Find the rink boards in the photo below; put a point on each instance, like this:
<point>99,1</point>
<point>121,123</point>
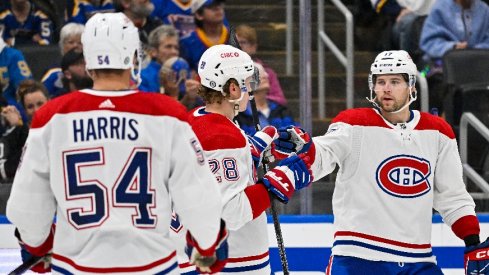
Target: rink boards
<point>308,240</point>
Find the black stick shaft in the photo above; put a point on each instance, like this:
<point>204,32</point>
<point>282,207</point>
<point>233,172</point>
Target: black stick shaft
<point>25,266</point>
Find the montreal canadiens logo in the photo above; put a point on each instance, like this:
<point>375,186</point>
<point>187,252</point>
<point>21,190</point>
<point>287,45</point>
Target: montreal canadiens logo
<point>404,176</point>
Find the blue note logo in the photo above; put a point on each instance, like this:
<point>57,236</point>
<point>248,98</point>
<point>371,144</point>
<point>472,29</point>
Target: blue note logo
<point>404,176</point>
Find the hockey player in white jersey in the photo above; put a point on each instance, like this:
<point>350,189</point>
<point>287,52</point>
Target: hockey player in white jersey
<point>109,164</point>
<point>223,72</point>
<point>395,166</point>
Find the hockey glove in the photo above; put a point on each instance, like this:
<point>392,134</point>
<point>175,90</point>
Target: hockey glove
<point>213,259</point>
<point>292,173</point>
<point>262,145</point>
<point>44,251</point>
<point>292,139</point>
<point>477,259</point>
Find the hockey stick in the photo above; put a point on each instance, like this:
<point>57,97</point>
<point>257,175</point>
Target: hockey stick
<point>25,266</point>
<point>273,208</point>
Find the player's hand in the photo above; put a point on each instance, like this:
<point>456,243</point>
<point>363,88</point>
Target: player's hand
<point>477,259</point>
<point>292,139</point>
<point>292,173</point>
<point>261,145</point>
<point>213,259</point>
<point>44,251</point>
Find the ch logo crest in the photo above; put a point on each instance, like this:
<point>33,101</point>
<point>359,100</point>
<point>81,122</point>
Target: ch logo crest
<point>404,176</point>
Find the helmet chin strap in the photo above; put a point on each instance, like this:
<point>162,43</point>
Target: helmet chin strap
<point>412,97</point>
<point>236,103</point>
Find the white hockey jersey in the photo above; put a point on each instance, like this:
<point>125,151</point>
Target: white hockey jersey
<point>390,178</point>
<point>227,150</point>
<point>105,163</point>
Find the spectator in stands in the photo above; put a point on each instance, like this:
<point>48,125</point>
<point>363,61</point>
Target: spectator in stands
<point>11,141</point>
<point>13,69</point>
<point>79,11</point>
<point>139,11</point>
<point>451,24</point>
<point>210,30</point>
<point>69,38</point>
<point>162,45</point>
<point>455,24</point>
<point>269,111</point>
<point>32,95</point>
<point>403,31</point>
<point>175,82</point>
<point>177,13</point>
<point>75,76</point>
<point>248,41</point>
<point>23,24</point>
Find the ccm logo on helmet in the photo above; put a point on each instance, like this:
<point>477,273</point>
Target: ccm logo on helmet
<point>404,176</point>
<point>227,55</point>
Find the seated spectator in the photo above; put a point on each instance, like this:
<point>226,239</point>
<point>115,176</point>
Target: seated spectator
<point>79,11</point>
<point>177,13</point>
<point>248,41</point>
<point>69,38</point>
<point>269,112</point>
<point>75,76</point>
<point>13,69</point>
<point>22,24</point>
<point>451,24</point>
<point>32,95</point>
<point>163,44</point>
<point>455,24</point>
<point>402,31</point>
<point>139,11</point>
<point>175,82</point>
<point>210,30</point>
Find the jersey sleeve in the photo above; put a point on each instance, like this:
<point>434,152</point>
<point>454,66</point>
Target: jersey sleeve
<point>193,188</point>
<point>332,148</point>
<point>451,198</point>
<point>31,205</point>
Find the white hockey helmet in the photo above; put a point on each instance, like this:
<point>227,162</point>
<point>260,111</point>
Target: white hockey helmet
<point>220,63</point>
<point>393,62</point>
<point>110,41</point>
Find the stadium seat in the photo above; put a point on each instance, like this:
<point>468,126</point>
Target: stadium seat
<point>462,69</point>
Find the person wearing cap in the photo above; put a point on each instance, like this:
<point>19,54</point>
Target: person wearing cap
<point>75,76</point>
<point>269,111</point>
<point>210,30</point>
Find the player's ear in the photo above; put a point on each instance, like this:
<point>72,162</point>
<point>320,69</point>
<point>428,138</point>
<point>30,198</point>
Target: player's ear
<point>234,90</point>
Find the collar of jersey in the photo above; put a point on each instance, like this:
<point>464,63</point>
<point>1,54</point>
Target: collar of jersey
<point>108,93</point>
<point>413,120</point>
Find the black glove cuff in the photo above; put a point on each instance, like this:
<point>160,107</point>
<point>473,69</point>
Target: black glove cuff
<point>472,240</point>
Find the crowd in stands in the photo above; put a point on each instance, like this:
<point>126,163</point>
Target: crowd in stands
<point>173,33</point>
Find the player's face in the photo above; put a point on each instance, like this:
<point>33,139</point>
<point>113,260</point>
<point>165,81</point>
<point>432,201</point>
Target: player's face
<point>72,42</point>
<point>392,92</point>
<point>168,48</point>
<point>33,101</point>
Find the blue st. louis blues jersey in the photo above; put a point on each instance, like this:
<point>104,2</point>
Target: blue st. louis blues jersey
<point>22,32</point>
<point>175,13</point>
<point>82,10</point>
<point>13,69</point>
<point>52,79</point>
<point>390,178</point>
